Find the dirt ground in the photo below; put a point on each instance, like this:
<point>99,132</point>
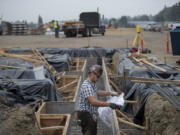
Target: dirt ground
<point>164,118</point>
<point>122,38</point>
<point>16,121</point>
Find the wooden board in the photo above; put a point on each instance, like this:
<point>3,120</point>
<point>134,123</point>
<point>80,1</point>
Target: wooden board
<point>131,124</point>
<point>52,131</point>
<point>153,81</point>
<point>20,57</point>
<point>51,120</point>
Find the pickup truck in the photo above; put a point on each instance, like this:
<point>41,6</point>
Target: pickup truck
<point>173,26</point>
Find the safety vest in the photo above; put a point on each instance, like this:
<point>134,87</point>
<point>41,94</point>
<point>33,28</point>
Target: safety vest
<point>55,25</point>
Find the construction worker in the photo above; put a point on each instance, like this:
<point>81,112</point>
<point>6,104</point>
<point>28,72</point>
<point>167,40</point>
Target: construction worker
<point>56,28</point>
<point>88,102</point>
<point>103,29</point>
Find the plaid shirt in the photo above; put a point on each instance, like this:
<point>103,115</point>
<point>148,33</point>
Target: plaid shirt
<point>87,89</point>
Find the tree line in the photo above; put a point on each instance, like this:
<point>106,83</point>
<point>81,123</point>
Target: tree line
<point>168,14</point>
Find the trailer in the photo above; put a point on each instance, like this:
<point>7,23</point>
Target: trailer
<point>89,22</point>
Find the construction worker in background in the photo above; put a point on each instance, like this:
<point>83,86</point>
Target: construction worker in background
<point>103,29</point>
<point>88,102</point>
<point>56,28</point>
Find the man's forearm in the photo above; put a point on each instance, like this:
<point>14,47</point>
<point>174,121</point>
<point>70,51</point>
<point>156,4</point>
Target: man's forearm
<point>103,93</point>
<point>97,103</point>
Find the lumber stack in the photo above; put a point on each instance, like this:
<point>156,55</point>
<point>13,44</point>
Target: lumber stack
<point>19,29</point>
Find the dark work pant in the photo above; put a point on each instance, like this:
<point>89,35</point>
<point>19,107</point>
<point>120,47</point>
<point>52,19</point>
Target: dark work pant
<point>56,33</point>
<point>88,125</point>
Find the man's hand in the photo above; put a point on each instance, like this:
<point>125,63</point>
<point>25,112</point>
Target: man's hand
<point>114,106</point>
<point>114,93</point>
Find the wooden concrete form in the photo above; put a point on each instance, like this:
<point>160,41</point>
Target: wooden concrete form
<point>69,87</point>
<point>115,124</point>
<point>78,68</point>
<point>117,119</point>
<point>121,78</point>
<point>78,65</point>
<point>53,121</point>
<point>112,75</point>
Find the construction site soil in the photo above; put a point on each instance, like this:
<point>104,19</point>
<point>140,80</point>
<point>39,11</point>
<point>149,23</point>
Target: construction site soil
<point>164,119</point>
<point>16,120</point>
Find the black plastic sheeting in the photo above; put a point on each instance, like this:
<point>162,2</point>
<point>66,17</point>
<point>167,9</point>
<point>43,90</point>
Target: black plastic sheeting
<point>15,62</point>
<point>59,62</point>
<point>134,90</point>
<point>20,87</point>
<point>20,50</point>
<point>144,90</point>
<point>22,74</point>
<point>73,52</point>
<point>81,52</point>
<point>16,73</point>
<point>28,92</point>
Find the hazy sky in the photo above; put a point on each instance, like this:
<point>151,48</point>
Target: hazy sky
<point>29,10</point>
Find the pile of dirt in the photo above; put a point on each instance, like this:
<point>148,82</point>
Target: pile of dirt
<point>17,121</point>
<point>164,117</point>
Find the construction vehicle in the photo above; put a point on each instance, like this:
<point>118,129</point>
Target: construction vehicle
<point>89,22</point>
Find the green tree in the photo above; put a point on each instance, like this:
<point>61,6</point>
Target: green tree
<point>123,21</point>
<point>169,13</point>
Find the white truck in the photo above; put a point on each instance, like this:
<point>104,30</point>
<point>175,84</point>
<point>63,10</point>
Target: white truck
<point>172,26</point>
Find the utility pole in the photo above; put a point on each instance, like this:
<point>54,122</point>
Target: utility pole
<point>98,9</point>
